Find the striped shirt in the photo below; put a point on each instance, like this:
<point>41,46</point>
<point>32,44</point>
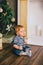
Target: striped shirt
<point>19,41</point>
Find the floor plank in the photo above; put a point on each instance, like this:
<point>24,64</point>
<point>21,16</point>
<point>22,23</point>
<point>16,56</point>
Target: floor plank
<point>7,57</point>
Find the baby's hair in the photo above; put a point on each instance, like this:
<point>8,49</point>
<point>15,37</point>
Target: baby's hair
<point>18,27</point>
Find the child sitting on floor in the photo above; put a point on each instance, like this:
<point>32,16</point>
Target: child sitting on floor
<point>19,42</point>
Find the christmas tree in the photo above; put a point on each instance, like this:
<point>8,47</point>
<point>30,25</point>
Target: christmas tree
<point>7,18</point>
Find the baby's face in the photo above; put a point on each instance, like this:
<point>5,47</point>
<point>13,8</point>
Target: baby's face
<point>22,32</point>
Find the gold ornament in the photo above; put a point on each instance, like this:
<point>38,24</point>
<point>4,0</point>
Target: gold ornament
<point>7,3</point>
<point>13,19</point>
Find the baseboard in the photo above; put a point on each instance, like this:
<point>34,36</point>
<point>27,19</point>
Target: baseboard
<point>35,41</point>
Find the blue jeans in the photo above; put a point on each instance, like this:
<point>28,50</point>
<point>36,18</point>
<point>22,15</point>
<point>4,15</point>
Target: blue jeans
<point>19,52</point>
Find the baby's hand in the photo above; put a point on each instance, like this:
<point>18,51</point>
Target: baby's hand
<point>25,42</point>
<point>20,47</point>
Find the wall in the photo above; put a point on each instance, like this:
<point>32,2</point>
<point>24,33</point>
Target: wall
<point>35,22</point>
<point>13,5</point>
<point>35,17</point>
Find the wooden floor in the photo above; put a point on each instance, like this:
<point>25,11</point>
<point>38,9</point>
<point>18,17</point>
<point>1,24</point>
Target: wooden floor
<point>8,58</point>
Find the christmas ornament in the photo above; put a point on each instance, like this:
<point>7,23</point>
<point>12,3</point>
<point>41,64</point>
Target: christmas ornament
<point>9,27</point>
<point>7,3</point>
<point>1,10</point>
<point>13,19</point>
